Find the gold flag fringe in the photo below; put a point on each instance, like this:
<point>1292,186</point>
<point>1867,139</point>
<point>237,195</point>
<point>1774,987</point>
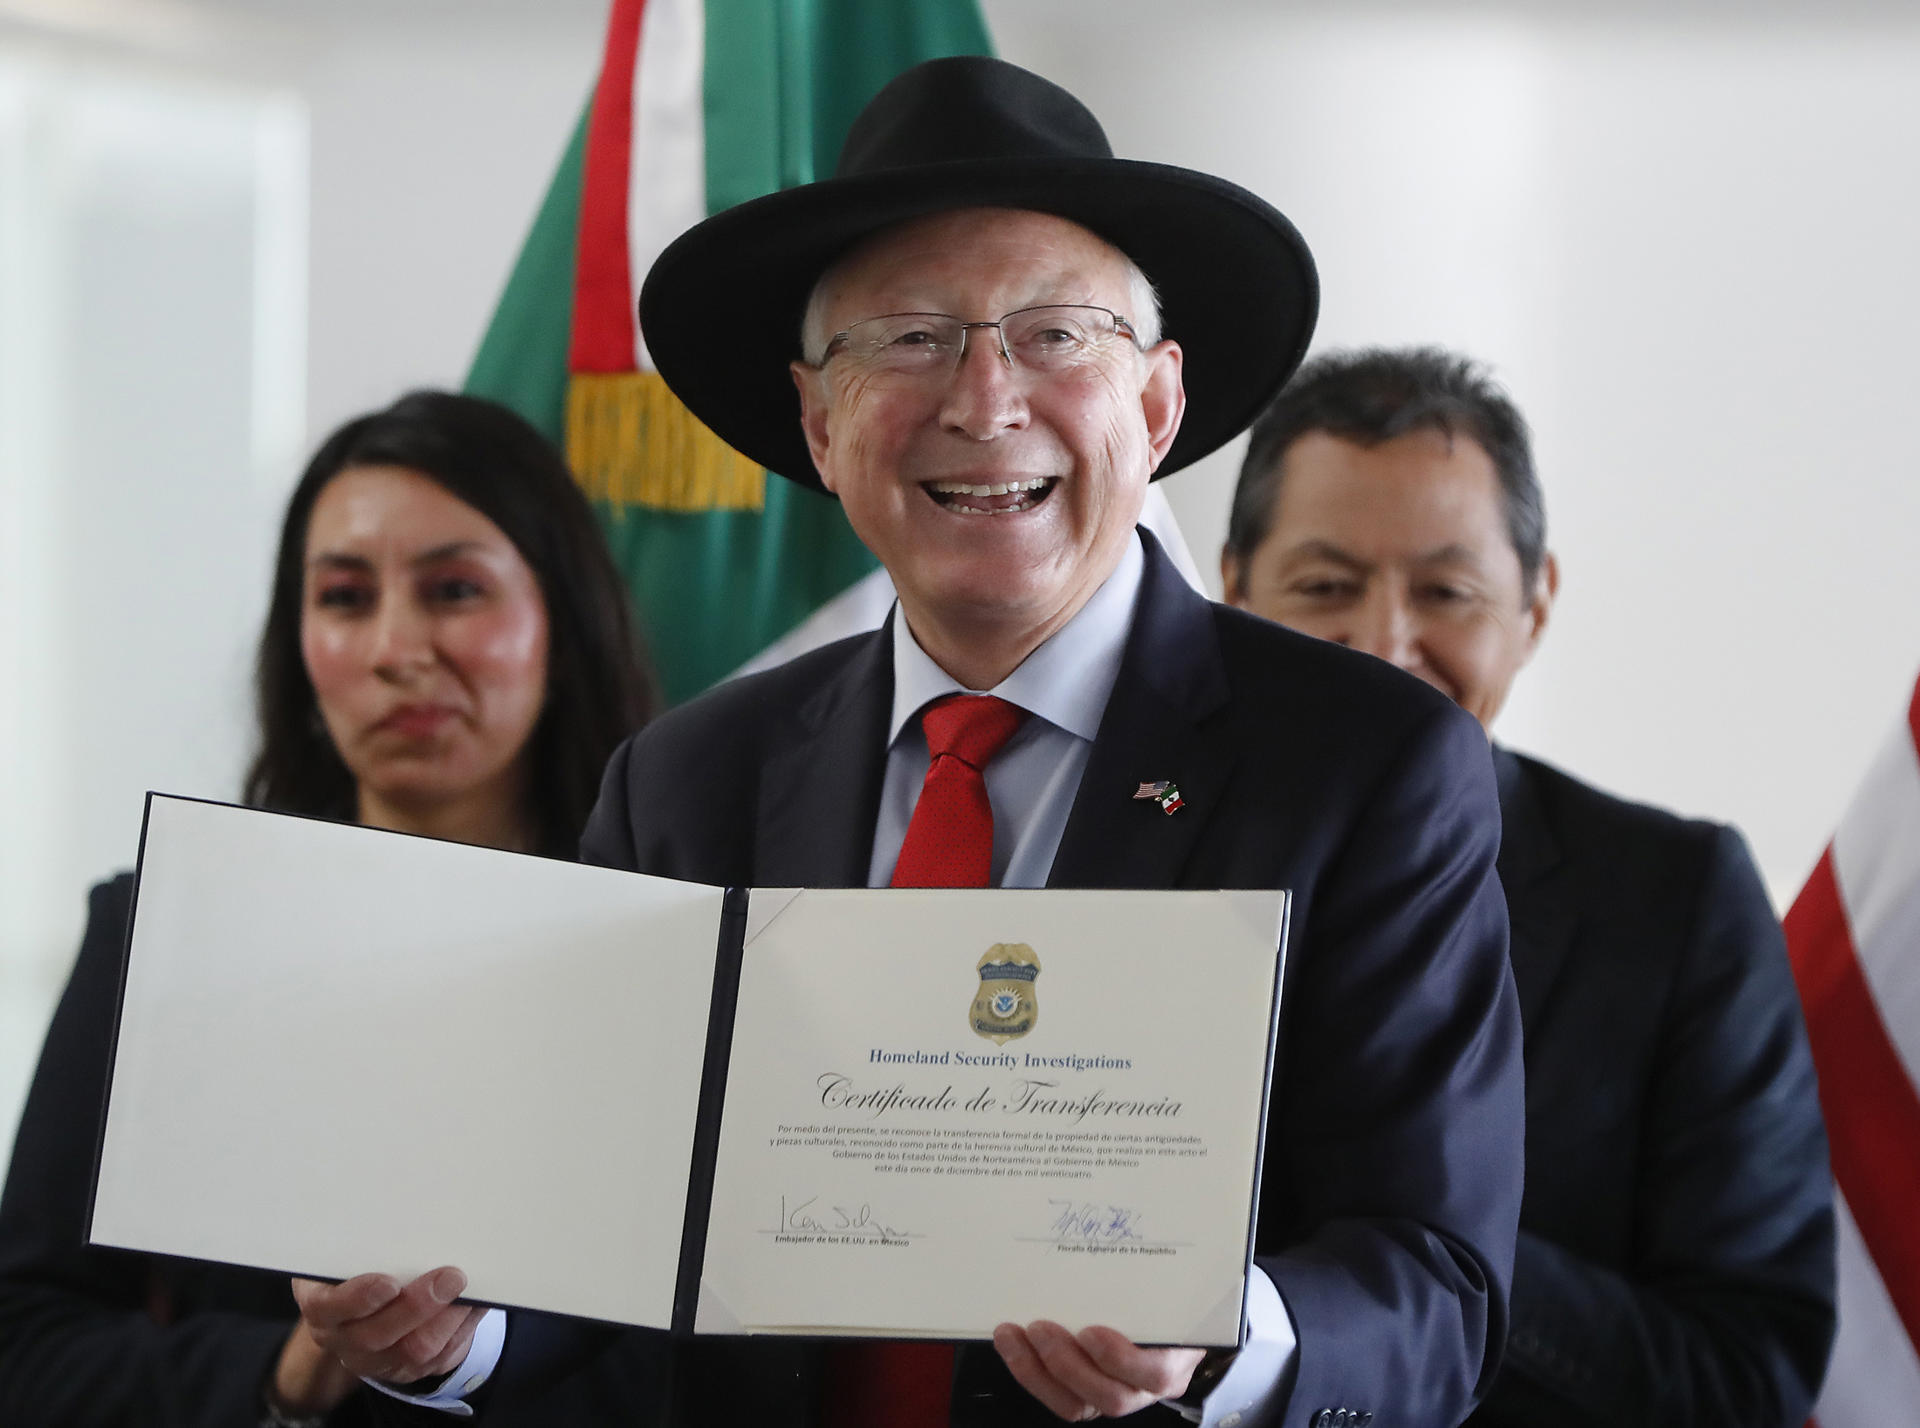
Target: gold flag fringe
<point>631,443</point>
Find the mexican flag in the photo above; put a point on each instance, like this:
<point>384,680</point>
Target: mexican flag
<point>700,104</point>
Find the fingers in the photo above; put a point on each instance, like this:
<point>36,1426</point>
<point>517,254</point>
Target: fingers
<point>1022,1357</point>
<point>326,1306</point>
<point>1098,1373</point>
<point>308,1382</point>
<point>459,1340</point>
<point>1159,1373</point>
<point>382,1329</point>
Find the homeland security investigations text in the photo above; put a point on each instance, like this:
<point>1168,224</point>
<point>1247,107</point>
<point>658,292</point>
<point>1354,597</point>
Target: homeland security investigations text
<point>1005,1060</point>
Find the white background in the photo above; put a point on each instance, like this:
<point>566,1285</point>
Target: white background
<point>1684,235</point>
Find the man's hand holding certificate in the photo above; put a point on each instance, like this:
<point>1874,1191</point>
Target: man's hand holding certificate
<point>890,1113</point>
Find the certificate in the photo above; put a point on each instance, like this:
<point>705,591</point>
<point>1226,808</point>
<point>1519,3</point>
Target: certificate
<point>948,1109</point>
<point>882,1112</point>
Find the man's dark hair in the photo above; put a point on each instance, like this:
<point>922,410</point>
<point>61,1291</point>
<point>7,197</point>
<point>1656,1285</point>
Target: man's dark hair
<point>599,685</point>
<point>1372,396</point>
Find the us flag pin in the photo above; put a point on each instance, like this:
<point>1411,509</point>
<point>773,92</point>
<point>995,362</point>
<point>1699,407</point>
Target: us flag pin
<point>1164,793</point>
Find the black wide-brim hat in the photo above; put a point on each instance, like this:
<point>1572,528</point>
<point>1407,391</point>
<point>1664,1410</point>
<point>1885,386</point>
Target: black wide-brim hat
<point>721,308</point>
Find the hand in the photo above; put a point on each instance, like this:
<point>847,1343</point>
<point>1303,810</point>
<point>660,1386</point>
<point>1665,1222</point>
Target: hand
<point>380,1329</point>
<point>1097,1373</point>
<point>308,1381</point>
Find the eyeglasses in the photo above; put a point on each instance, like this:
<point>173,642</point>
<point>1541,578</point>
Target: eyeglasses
<point>1054,338</point>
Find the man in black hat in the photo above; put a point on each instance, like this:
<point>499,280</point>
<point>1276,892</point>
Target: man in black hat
<point>957,336</point>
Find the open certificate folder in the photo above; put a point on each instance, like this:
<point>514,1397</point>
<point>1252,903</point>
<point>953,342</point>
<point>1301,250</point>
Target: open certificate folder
<point>881,1112</point>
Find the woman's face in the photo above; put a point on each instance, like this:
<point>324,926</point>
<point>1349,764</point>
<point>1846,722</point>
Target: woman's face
<point>425,636</point>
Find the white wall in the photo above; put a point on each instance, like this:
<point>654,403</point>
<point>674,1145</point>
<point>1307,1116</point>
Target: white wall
<point>140,281</point>
<point>433,140</point>
<point>1688,248</point>
<point>223,230</point>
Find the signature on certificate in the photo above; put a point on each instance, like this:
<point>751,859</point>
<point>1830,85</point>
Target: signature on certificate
<point>809,1219</point>
<point>1088,1222</point>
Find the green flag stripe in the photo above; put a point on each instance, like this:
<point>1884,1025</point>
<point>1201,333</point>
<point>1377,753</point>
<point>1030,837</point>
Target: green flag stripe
<point>741,97</point>
<point>785,79</point>
<point>799,23</point>
<point>859,45</point>
<point>726,584</point>
<point>522,361</point>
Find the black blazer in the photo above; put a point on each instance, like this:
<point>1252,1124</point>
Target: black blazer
<point>1391,1188</point>
<point>1676,1247</point>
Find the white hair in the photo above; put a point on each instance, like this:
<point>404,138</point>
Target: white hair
<point>1145,298</point>
<point>1141,296</point>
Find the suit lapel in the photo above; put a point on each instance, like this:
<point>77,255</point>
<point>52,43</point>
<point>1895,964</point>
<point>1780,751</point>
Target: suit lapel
<point>1531,865</point>
<point>1156,726</point>
<point>820,792</point>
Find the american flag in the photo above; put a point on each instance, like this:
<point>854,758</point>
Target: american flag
<point>1854,937</point>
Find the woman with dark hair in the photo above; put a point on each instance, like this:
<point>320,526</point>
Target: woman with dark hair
<point>482,455</point>
<point>447,651</point>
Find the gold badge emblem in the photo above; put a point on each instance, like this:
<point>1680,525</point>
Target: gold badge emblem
<point>1004,1007</point>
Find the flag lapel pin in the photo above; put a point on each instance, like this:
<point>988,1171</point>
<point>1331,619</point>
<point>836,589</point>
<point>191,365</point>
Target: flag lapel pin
<point>1162,792</point>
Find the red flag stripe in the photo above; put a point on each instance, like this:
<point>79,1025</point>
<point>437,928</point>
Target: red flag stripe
<point>1872,1109</point>
<point>602,280</point>
<point>1876,863</point>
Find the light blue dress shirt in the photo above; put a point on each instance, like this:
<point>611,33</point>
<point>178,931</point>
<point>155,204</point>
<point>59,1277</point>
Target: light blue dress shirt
<point>1031,782</point>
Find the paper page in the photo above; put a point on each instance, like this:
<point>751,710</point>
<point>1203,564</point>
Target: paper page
<point>946,1109</point>
<point>344,1050</point>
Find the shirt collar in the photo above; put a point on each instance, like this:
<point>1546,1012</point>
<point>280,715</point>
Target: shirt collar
<point>1066,681</point>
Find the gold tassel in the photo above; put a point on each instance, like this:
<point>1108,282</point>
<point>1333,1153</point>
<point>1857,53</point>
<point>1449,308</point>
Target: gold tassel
<point>631,442</point>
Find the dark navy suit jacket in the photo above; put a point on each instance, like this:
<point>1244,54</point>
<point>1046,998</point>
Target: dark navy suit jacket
<point>1392,1182</point>
<point>1676,1243</point>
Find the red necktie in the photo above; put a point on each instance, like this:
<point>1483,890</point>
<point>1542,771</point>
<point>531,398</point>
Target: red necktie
<point>949,844</point>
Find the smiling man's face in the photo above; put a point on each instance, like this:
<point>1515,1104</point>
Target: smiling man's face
<point>998,498</point>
